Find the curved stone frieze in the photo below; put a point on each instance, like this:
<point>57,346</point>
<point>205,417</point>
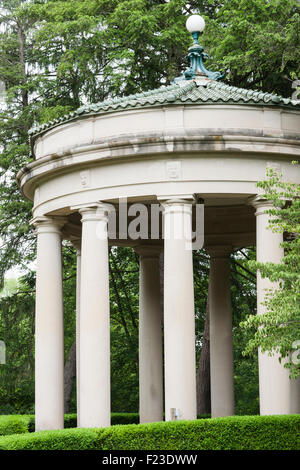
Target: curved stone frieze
<point>217,152</point>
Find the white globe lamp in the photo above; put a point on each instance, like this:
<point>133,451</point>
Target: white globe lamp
<point>195,23</point>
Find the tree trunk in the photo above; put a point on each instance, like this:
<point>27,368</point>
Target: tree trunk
<point>69,376</point>
<point>203,373</point>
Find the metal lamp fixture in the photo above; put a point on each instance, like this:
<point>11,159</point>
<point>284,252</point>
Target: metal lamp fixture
<point>196,57</point>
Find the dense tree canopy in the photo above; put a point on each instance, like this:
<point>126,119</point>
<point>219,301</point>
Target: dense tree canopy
<point>256,42</point>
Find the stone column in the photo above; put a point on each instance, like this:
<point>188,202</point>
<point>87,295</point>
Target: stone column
<point>77,245</point>
<point>221,346</point>
<point>179,315</point>
<point>274,382</point>
<point>49,327</point>
<point>295,396</point>
<point>78,285</point>
<point>150,336</point>
<point>94,324</point>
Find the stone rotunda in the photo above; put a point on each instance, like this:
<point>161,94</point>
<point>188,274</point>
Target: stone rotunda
<point>197,139</point>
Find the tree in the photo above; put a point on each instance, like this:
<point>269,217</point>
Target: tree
<point>124,273</point>
<point>256,43</point>
<point>15,121</point>
<point>17,331</point>
<point>203,371</point>
<point>278,330</point>
<point>243,296</point>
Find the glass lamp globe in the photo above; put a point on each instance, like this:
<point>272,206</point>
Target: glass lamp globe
<point>195,23</point>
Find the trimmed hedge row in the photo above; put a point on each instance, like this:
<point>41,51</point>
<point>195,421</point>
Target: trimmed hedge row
<point>20,424</point>
<point>16,424</point>
<point>230,433</point>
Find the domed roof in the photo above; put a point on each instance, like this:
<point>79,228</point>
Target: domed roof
<point>196,85</point>
<point>183,92</point>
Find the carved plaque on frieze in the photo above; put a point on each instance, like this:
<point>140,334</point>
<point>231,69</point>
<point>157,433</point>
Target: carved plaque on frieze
<point>173,169</point>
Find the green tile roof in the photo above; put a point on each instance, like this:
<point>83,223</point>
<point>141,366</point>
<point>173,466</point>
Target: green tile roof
<point>189,92</point>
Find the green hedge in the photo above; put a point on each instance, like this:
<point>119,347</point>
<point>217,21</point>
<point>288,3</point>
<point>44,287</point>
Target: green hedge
<point>16,424</point>
<point>231,433</point>
<point>19,424</point>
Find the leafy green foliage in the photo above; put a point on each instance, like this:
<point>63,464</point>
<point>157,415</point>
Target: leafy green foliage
<point>21,424</point>
<point>67,439</point>
<point>279,327</point>
<point>17,331</point>
<point>231,433</point>
<point>14,424</point>
<point>124,275</point>
<point>243,295</point>
<point>201,274</point>
<point>256,43</point>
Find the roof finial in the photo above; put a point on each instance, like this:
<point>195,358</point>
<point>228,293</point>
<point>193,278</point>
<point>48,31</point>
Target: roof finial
<point>195,24</point>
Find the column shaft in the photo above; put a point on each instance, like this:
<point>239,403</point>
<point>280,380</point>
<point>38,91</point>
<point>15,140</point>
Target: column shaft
<point>274,382</point>
<point>78,284</point>
<point>94,335</point>
<point>221,346</point>
<point>150,339</point>
<point>295,396</point>
<point>179,316</point>
<point>49,330</point>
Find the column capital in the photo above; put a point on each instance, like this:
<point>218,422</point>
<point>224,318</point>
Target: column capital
<point>148,251</point>
<point>177,199</point>
<point>260,204</point>
<point>177,204</point>
<point>47,224</point>
<point>219,251</point>
<point>94,211</point>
